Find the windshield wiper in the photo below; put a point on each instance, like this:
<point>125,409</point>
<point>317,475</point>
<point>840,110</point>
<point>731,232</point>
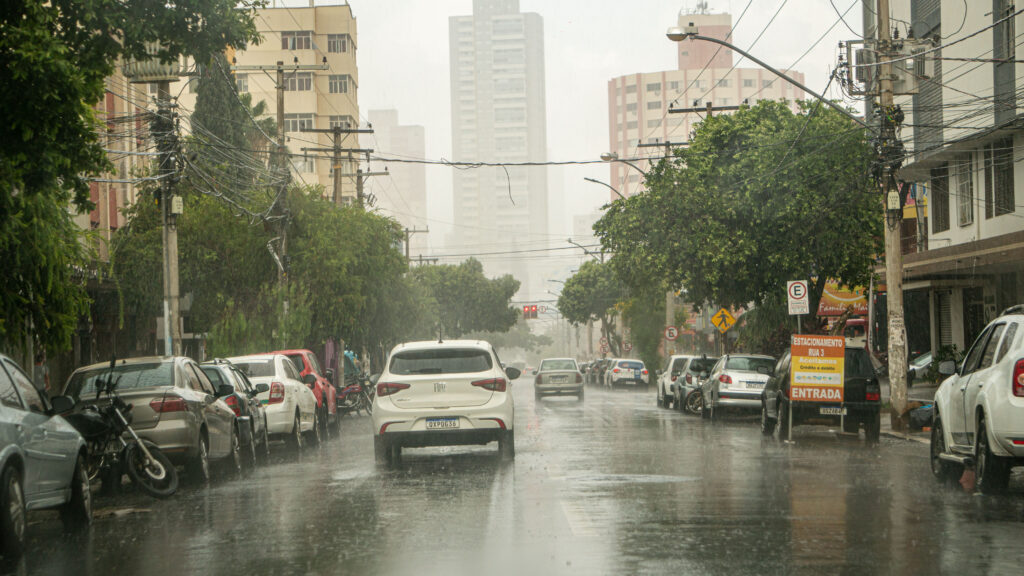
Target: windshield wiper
<point>426,371</point>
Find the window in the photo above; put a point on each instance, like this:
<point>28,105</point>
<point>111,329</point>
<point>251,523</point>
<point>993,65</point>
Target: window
<point>290,371</point>
<point>631,125</point>
<point>242,82</point>
<point>297,122</point>
<point>129,377</point>
<point>749,364</point>
<point>674,85</point>
<point>440,361</point>
<point>337,43</point>
<point>964,190</point>
<point>766,83</point>
<point>28,391</point>
<point>505,27</point>
<point>656,123</point>
<point>1011,333</point>
<point>305,164</point>
<point>508,56</point>
<point>722,101</point>
<point>213,373</point>
<point>654,105</point>
<point>299,82</point>
<point>509,115</point>
<point>631,89</point>
<point>654,87</point>
<point>748,83</point>
<point>193,85</point>
<point>204,383</point>
<point>300,40</point>
<point>8,397</point>
<point>999,163</point>
<point>940,199</point>
<point>557,364</point>
<point>974,355</point>
<point>345,122</point>
<point>338,83</point>
<point>702,84</point>
<point>256,368</point>
<point>990,349</point>
<point>724,83</point>
<point>631,107</point>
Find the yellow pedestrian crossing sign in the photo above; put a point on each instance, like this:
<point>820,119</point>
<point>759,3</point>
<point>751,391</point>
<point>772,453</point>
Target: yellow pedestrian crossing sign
<point>723,320</point>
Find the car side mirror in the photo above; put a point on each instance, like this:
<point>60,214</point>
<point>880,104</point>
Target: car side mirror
<point>61,404</point>
<point>225,390</point>
<point>329,374</point>
<point>374,378</point>
<point>261,388</point>
<point>512,372</point>
<point>309,379</point>
<point>534,372</point>
<point>947,367</point>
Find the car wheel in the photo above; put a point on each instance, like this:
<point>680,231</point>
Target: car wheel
<point>767,422</point>
<point>198,468</point>
<point>294,440</point>
<point>77,513</point>
<point>12,514</point>
<point>314,434</point>
<point>942,470</point>
<point>873,428</point>
<point>991,472</point>
<point>380,450</point>
<point>232,464</point>
<point>325,432</point>
<point>251,459</point>
<point>507,445</point>
<point>705,412</point>
<point>784,424</point>
<point>394,452</point>
<point>264,452</point>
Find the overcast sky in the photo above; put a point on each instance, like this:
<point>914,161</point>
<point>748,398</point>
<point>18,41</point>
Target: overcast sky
<point>403,64</point>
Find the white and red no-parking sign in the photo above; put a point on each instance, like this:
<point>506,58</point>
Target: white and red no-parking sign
<point>796,292</point>
<point>671,333</point>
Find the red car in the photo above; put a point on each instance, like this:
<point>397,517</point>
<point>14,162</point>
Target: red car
<point>319,382</point>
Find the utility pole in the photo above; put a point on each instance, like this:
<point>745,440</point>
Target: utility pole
<point>163,128</point>
<point>409,233</point>
<point>422,260</point>
<point>338,135</point>
<point>893,215</point>
<point>707,109</point>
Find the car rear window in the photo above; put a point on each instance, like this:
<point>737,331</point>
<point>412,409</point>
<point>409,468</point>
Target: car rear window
<point>257,368</point>
<point>677,365</point>
<point>858,364</point>
<point>440,361</point>
<point>557,365</point>
<point>297,360</point>
<point>213,374</point>
<point>747,364</point>
<point>631,365</point>
<point>702,365</point>
<point>127,376</point>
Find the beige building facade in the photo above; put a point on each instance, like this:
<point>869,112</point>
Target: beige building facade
<point>638,104</point>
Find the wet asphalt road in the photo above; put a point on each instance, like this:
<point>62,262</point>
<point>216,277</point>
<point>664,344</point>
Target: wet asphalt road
<point>611,486</point>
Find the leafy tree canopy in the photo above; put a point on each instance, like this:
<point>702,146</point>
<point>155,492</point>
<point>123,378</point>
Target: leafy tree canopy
<point>592,293</point>
<point>467,300</point>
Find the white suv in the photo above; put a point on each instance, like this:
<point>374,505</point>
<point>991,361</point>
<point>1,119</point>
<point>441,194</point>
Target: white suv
<point>443,394</point>
<point>979,409</point>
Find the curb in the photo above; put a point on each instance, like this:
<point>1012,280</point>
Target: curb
<point>899,436</point>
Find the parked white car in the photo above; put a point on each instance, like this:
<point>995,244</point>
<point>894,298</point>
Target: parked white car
<point>289,403</point>
<point>737,380</point>
<point>443,394</point>
<point>667,377</point>
<point>626,372</point>
<point>979,409</point>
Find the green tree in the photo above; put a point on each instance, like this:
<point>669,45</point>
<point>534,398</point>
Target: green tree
<point>592,293</point>
<point>519,336</point>
<point>759,197</point>
<point>644,313</point>
<point>468,301</point>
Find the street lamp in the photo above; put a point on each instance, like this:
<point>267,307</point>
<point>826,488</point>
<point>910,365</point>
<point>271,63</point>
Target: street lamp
<point>614,157</point>
<point>609,186</point>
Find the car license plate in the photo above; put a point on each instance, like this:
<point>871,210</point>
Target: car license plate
<point>559,379</point>
<point>442,423</point>
<point>636,373</point>
<point>754,385</point>
<point>832,411</point>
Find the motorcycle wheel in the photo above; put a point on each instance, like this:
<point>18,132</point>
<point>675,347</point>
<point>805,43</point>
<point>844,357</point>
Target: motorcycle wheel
<point>157,477</point>
<point>367,403</point>
<point>694,403</point>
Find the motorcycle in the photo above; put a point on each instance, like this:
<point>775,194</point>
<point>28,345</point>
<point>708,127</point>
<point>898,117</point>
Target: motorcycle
<point>110,454</point>
<point>358,396</point>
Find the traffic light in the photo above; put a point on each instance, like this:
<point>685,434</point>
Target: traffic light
<point>533,311</point>
<point>526,312</point>
<point>530,312</point>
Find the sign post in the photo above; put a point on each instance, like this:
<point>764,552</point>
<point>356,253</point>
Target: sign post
<point>799,303</point>
<point>816,371</point>
<point>671,333</point>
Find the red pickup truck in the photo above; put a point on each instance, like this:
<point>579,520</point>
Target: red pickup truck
<point>319,381</point>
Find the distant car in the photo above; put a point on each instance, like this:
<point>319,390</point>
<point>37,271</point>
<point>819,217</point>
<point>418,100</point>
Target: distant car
<point>919,367</point>
<point>441,394</point>
<point>626,372</point>
<point>667,377</point>
<point>558,377</point>
<point>979,410</point>
<point>861,403</point>
<point>687,387</point>
<point>289,404</point>
<point>174,405</point>
<point>319,381</point>
<point>249,411</point>
<point>736,381</point>
<point>42,460</point>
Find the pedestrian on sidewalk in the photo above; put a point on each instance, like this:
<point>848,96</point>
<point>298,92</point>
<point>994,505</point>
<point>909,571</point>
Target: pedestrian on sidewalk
<point>41,374</point>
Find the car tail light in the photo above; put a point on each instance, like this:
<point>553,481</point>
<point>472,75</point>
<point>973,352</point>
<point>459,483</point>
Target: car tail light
<point>872,396</point>
<point>168,404</point>
<point>1018,378</point>
<point>674,378</point>
<point>644,371</point>
<point>537,379</point>
<point>616,370</point>
<point>232,402</point>
<point>492,384</point>
<point>689,378</point>
<point>276,393</point>
<point>725,379</point>
<point>579,378</point>
<point>389,388</point>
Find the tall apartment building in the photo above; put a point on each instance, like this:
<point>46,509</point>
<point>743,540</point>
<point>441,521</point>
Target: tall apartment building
<point>313,35</point>
<point>403,193</point>
<point>498,115</point>
<point>638,103</point>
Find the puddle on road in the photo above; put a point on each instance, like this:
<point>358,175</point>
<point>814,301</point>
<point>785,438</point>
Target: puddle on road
<point>611,479</point>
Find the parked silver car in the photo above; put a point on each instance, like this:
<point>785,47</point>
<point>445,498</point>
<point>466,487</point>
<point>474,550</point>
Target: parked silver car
<point>42,460</point>
<point>558,376</point>
<point>737,380</point>
<point>175,406</point>
<point>249,411</point>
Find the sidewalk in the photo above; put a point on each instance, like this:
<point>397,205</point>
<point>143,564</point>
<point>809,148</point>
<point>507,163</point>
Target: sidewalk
<point>923,392</point>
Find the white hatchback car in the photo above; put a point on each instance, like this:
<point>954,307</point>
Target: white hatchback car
<point>443,394</point>
<point>289,404</point>
<point>979,410</point>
